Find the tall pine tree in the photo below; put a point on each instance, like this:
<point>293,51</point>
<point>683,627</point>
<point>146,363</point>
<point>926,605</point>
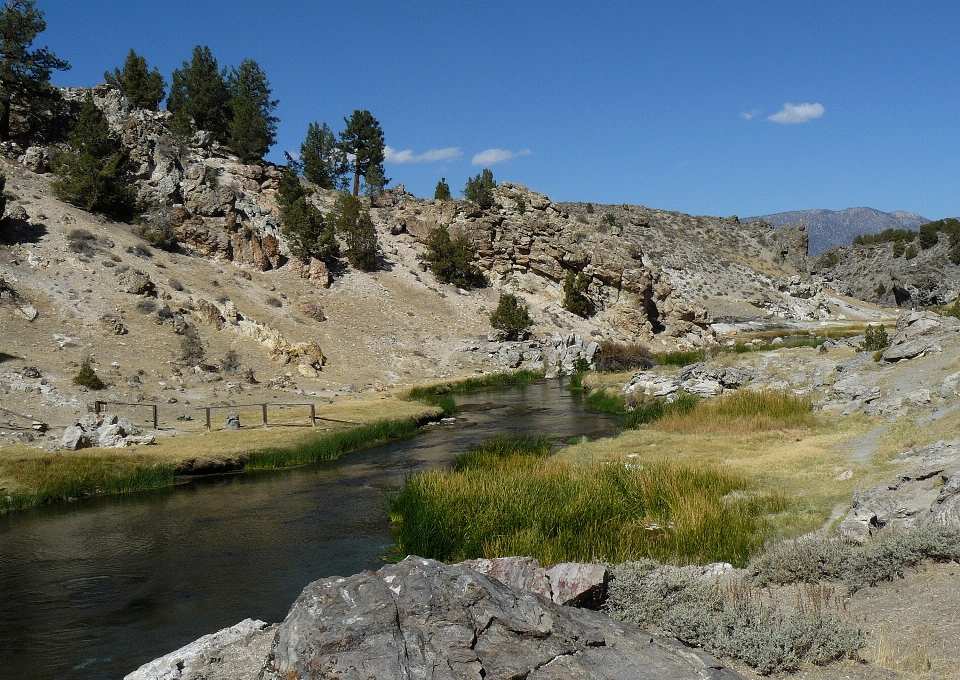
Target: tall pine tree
<point>93,175</point>
<point>142,87</point>
<point>24,73</point>
<point>363,140</point>
<point>252,129</point>
<point>199,96</point>
<point>324,162</point>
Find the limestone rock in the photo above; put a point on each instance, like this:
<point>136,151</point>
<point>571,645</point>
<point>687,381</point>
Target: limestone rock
<point>240,651</point>
<point>74,438</point>
<point>907,350</point>
<point>313,270</point>
<point>36,159</point>
<point>579,585</point>
<point>135,282</point>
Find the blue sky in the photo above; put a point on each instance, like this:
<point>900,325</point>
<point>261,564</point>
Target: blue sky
<point>705,107</point>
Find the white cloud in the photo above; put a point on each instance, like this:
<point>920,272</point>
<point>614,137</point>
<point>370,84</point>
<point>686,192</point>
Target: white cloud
<point>750,115</point>
<point>391,155</point>
<point>494,156</point>
<point>797,113</point>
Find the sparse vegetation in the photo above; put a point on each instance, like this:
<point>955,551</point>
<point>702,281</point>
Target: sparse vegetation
<point>680,357</point>
<point>511,317</point>
<point>623,356</point>
<point>828,260</point>
<point>574,298</point>
<point>230,364</point>
<point>875,338</point>
<point>910,252</point>
<point>191,346</point>
<point>87,377</point>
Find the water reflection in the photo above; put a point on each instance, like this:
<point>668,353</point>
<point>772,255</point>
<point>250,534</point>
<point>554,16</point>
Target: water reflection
<point>95,588</point>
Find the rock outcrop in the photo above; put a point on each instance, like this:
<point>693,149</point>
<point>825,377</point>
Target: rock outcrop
<point>927,493</point>
<point>423,619</point>
<point>108,432</point>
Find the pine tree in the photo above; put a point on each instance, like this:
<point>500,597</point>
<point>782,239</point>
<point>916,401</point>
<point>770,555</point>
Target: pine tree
<point>479,189</point>
<point>451,260</point>
<point>353,224</point>
<point>252,129</point>
<point>308,234</point>
<point>199,96</point>
<point>574,300</point>
<point>442,192</point>
<point>142,87</point>
<point>324,162</point>
<point>290,190</point>
<point>374,182</point>
<point>93,175</point>
<point>24,74</point>
<point>362,139</point>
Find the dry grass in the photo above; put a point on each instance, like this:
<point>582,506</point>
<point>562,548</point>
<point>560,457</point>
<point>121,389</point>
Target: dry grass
<point>915,657</point>
<point>744,411</point>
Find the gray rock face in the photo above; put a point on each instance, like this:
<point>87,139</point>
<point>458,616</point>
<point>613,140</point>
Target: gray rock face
<point>907,350</point>
<point>74,438</point>
<point>422,619</point>
<point>569,583</point>
<point>239,651</point>
<point>928,493</point>
<point>233,421</point>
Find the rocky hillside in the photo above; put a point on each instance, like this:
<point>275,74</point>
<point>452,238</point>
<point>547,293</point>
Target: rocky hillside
<point>831,228</point>
<point>77,285</point>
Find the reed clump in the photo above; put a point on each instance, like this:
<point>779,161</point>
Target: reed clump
<point>441,394</point>
<point>741,412</point>
<point>511,499</point>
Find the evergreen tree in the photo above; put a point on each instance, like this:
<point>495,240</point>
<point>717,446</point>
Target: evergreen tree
<point>353,224</point>
<point>511,317</point>
<point>252,129</point>
<point>928,235</point>
<point>144,88</point>
<point>479,189</point>
<point>374,182</point>
<point>574,300</point>
<point>451,260</point>
<point>24,74</point>
<point>290,190</point>
<point>442,192</point>
<point>324,162</point>
<point>363,140</point>
<point>199,96</point>
<point>308,234</point>
<point>93,175</point>
<point>898,248</point>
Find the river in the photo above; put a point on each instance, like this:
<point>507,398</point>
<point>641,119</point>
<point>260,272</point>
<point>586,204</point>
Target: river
<point>93,589</point>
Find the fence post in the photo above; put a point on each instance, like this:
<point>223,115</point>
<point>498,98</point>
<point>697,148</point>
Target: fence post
<point>155,421</point>
<point>264,407</point>
<point>208,417</point>
<point>313,415</point>
<point>96,406</point>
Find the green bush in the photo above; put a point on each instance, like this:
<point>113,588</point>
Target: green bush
<point>574,300</point>
<point>479,189</point>
<point>87,377</point>
<point>898,248</point>
<point>875,338</point>
<point>680,358</point>
<point>589,208</point>
<point>308,234</point>
<point>519,204</point>
<point>353,223</point>
<point>511,317</point>
<point>828,260</point>
<point>910,252</point>
<point>928,236</point>
<point>452,260</point>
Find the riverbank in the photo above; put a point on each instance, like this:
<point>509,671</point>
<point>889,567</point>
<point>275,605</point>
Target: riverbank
<point>30,477</point>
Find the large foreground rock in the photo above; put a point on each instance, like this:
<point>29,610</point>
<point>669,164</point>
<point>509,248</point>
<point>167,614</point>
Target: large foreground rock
<point>422,619</point>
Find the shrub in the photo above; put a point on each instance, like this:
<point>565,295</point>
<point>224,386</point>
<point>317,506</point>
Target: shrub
<point>442,192</point>
<point>589,208</point>
<point>875,338</point>
<point>910,252</point>
<point>574,300</point>
<point>82,242</point>
<point>230,364</point>
<point>511,317</point>
<point>519,204</point>
<point>928,237</point>
<point>3,199</point>
<point>898,248</point>
<point>828,260</point>
<point>623,356</point>
<point>87,377</point>
<point>146,306</point>
<point>608,219</point>
<point>807,559</point>
<point>191,346</point>
<point>880,290</point>
<point>479,189</point>
<point>156,228</point>
<point>451,260</point>
<point>274,302</point>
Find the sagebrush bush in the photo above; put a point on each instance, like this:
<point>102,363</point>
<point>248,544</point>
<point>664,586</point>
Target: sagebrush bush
<point>623,356</point>
<point>807,559</point>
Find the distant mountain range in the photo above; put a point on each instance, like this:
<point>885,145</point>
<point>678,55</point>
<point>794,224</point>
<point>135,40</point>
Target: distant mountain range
<point>829,228</point>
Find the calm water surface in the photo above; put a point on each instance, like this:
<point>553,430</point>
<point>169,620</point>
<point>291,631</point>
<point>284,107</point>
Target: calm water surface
<point>95,588</point>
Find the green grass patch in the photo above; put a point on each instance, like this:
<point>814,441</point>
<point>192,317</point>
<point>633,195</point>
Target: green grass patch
<point>441,394</point>
<point>333,445</point>
<point>742,411</point>
<point>510,499</point>
<point>633,415</point>
<point>680,358</point>
<point>59,478</point>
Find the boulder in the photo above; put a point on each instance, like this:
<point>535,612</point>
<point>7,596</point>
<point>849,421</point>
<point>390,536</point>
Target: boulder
<point>233,421</point>
<point>134,282</point>
<point>35,159</point>
<point>424,619</point>
<point>906,350</point>
<point>520,573</point>
<point>579,585</point>
<point>74,438</point>
<point>110,436</point>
